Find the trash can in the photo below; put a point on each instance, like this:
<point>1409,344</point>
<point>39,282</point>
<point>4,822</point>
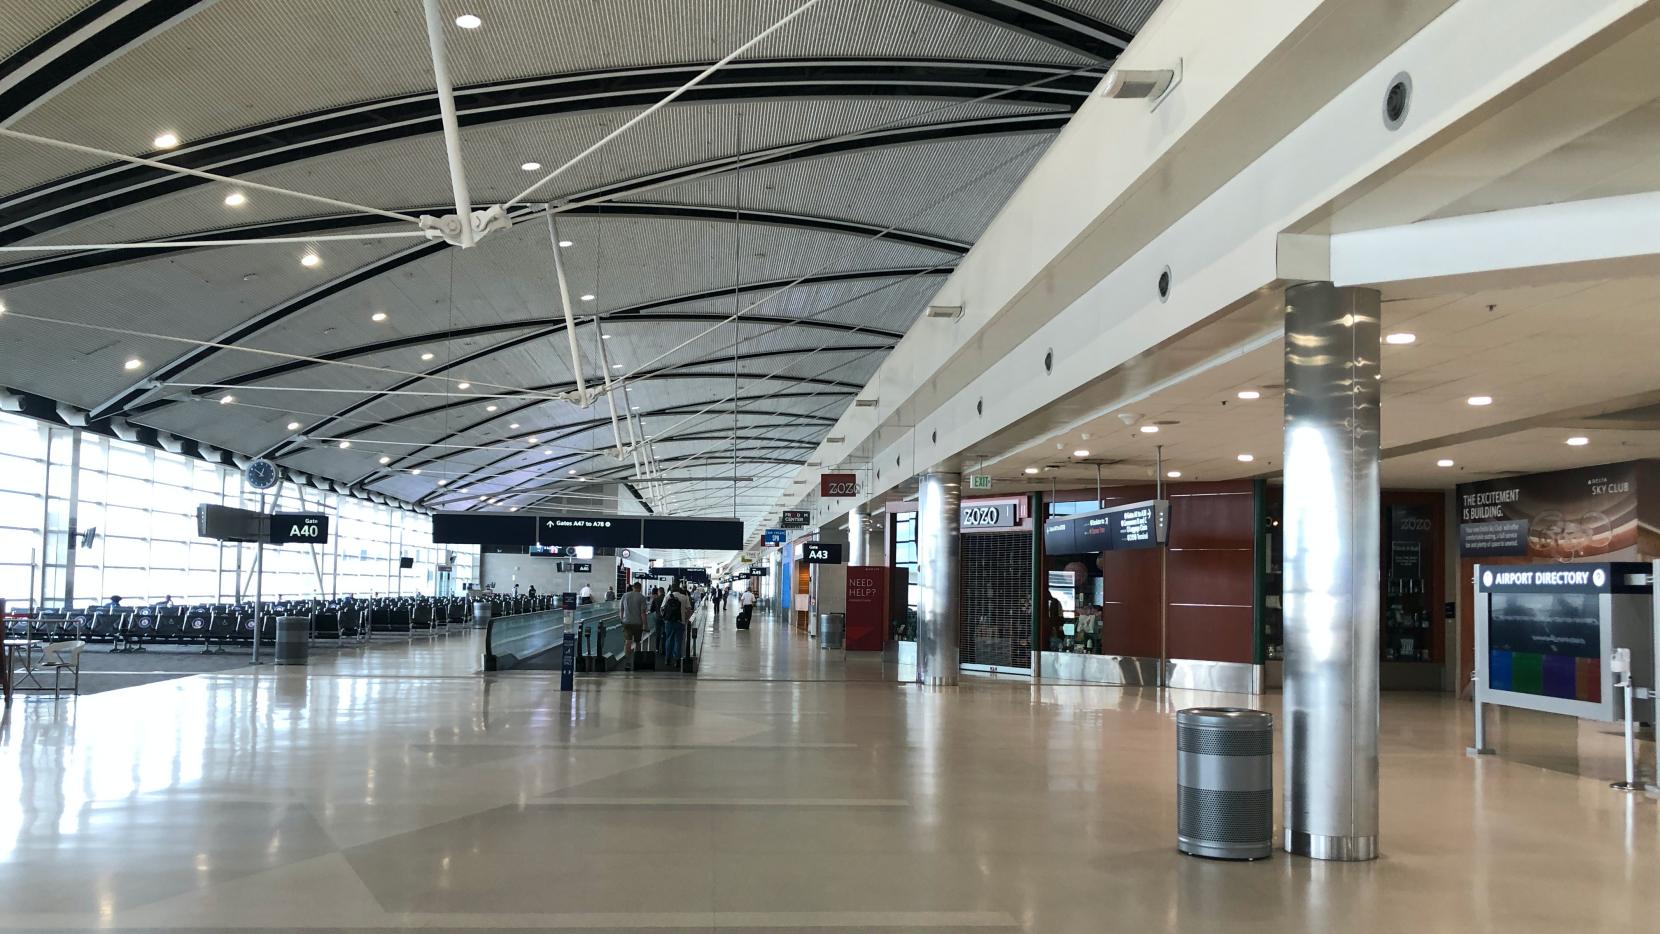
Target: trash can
<point>1225,782</point>
<point>292,635</point>
<point>481,614</point>
<point>832,628</point>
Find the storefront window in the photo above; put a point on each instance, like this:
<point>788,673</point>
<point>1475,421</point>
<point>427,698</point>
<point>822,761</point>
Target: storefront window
<point>904,556</point>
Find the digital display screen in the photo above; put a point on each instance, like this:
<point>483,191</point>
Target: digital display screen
<point>695,534</point>
<point>1546,644</point>
<point>481,529</point>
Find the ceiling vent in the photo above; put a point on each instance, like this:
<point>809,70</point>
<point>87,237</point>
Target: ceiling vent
<point>1151,85</point>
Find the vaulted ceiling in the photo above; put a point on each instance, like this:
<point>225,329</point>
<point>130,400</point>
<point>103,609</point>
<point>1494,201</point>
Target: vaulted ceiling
<point>751,250</point>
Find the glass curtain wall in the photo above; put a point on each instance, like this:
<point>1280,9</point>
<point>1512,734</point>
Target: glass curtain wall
<point>133,509</point>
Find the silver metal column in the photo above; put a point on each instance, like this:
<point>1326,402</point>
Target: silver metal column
<point>856,521</point>
<point>1331,572</point>
<point>939,559</point>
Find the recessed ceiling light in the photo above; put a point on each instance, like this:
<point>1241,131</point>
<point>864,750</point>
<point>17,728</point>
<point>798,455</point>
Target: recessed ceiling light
<point>1249,394</point>
<point>1080,453</point>
<point>512,509</point>
<point>133,364</point>
<point>344,445</point>
<point>533,441</point>
<point>635,408</point>
<point>416,471</point>
<point>385,460</point>
<point>1400,337</point>
<point>1444,462</point>
<point>166,140</point>
<point>572,470</point>
<point>236,199</point>
<point>587,298</point>
<point>547,450</point>
<point>616,366</point>
<point>293,426</point>
<point>531,166</point>
<point>564,243</point>
<point>1247,458</point>
<point>1031,470</point>
<point>1480,400</point>
<point>468,21</point>
<point>426,356</point>
<point>1172,474</point>
<point>512,426</point>
<point>226,400</point>
<point>489,408</point>
<point>310,259</point>
<point>605,337</point>
<point>1150,429</point>
<point>463,385</point>
<point>378,316</point>
<point>467,489</point>
<point>1578,441</point>
<point>443,483</point>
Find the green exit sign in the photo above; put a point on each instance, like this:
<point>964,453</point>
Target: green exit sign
<point>979,482</point>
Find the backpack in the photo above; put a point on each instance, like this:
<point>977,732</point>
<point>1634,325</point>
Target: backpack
<point>671,609</point>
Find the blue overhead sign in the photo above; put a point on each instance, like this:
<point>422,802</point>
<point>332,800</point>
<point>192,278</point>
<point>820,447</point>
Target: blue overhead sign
<point>773,537</point>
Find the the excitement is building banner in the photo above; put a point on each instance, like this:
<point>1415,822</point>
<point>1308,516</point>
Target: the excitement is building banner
<point>1565,515</point>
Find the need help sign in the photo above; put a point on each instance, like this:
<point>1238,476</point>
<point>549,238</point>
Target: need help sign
<point>306,527</point>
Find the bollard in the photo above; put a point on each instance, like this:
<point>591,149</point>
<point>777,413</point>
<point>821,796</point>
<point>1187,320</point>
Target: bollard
<point>567,663</point>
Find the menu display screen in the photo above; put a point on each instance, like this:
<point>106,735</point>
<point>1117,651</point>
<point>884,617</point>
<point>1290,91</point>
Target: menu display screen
<point>1546,644</point>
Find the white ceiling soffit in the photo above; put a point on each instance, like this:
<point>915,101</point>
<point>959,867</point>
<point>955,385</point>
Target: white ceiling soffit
<point>1224,251</point>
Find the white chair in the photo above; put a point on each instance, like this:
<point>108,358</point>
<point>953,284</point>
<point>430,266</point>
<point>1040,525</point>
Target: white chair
<point>61,657</point>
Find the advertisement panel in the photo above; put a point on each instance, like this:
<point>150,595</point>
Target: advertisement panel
<point>836,485</point>
<point>867,608</point>
<point>1565,515</point>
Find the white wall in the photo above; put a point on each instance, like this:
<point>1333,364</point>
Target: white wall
<point>535,570</point>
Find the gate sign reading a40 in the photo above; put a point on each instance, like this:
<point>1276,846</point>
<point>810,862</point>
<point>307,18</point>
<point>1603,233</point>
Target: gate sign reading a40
<point>308,527</point>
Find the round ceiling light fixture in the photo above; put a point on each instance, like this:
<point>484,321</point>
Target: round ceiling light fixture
<point>463,385</point>
<point>1031,470</point>
<point>344,445</point>
<point>587,298</point>
<point>531,167</point>
<point>1401,338</point>
<point>385,460</point>
<point>132,364</point>
<point>1080,453</point>
<point>1150,429</point>
<point>293,426</point>
<point>1172,474</point>
<point>468,21</point>
<point>166,141</point>
<point>1480,400</point>
<point>1249,394</point>
<point>310,260</point>
<point>1444,462</point>
<point>1578,441</point>
<point>1247,458</point>
<point>235,199</point>
<point>426,356</point>
<point>378,316</point>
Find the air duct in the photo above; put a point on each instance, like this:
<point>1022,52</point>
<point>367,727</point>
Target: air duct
<point>71,415</point>
<point>123,429</point>
<point>171,443</point>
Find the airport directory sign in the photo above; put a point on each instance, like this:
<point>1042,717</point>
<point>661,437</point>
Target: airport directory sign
<point>1121,528</point>
<point>1544,634</point>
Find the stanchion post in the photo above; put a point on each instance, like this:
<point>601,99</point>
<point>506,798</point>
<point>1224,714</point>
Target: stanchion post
<point>1480,748</point>
<point>1620,663</point>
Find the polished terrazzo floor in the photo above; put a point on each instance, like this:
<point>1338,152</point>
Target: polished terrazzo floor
<point>393,788</point>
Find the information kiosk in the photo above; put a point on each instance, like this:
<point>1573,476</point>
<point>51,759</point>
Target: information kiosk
<point>1549,638</point>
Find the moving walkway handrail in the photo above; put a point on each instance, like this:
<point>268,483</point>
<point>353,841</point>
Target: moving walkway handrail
<point>508,640</point>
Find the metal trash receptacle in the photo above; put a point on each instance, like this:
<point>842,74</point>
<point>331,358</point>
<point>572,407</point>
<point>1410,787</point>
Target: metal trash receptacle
<point>832,629</point>
<point>1225,782</point>
<point>481,614</point>
<point>293,635</point>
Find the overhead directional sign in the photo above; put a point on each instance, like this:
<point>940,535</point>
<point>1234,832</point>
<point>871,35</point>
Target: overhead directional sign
<point>1136,525</point>
<point>774,537</point>
<point>796,519</point>
<point>597,531</point>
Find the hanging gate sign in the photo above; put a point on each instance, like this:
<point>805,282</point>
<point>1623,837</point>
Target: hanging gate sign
<point>304,527</point>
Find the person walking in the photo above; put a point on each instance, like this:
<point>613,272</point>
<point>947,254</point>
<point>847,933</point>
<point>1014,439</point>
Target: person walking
<point>585,596</point>
<point>610,594</point>
<point>634,623</point>
<point>674,626</point>
<point>746,606</point>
